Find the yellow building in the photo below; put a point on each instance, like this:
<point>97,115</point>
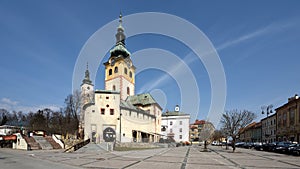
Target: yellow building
<point>116,113</point>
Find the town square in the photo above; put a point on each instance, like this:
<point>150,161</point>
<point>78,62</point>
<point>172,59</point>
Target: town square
<point>151,84</point>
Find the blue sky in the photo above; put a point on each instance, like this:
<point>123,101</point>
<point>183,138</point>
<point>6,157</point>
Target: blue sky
<point>257,42</point>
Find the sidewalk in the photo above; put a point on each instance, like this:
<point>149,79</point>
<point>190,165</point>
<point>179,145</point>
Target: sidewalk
<point>188,157</point>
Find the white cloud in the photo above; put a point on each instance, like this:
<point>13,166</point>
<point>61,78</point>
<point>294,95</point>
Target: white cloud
<point>271,28</point>
<point>12,105</point>
<point>8,101</point>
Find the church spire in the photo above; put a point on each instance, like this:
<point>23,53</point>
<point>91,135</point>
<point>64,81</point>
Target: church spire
<point>87,79</point>
<point>120,36</point>
<point>120,48</point>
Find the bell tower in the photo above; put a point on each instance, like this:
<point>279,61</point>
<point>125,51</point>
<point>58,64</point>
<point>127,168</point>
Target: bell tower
<point>86,96</point>
<point>119,70</point>
<point>87,88</point>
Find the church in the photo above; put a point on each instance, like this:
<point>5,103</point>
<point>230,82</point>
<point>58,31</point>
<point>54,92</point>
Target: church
<point>117,113</point>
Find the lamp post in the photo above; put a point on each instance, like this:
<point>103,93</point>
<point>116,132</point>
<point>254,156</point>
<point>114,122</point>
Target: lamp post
<point>267,110</point>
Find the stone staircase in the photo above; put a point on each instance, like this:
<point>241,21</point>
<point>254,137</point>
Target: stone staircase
<point>45,145</point>
<point>54,144</point>
<point>32,144</point>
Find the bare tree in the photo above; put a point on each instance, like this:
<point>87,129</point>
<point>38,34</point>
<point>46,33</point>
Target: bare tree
<point>234,120</point>
<point>217,135</point>
<point>206,133</point>
<point>72,110</point>
<point>4,116</point>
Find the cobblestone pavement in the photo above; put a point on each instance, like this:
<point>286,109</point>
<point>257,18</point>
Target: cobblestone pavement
<point>164,158</point>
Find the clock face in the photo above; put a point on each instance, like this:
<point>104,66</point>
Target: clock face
<point>176,108</point>
<point>88,88</point>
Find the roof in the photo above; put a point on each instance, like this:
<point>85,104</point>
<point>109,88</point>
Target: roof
<point>125,104</point>
<point>129,106</point>
<point>197,122</point>
<point>269,117</point>
<point>107,92</point>
<point>141,99</point>
<point>174,113</point>
<point>291,101</point>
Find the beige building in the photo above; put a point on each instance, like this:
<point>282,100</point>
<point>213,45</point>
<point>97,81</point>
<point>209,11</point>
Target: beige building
<point>288,120</point>
<point>201,130</point>
<point>268,128</point>
<point>116,113</point>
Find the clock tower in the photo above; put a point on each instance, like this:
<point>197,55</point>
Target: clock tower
<point>119,70</point>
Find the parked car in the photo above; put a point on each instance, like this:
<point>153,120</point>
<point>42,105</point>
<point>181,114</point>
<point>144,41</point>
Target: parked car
<point>282,147</point>
<point>294,149</point>
<point>239,144</point>
<point>248,145</point>
<point>258,146</point>
<point>215,143</point>
<point>269,146</point>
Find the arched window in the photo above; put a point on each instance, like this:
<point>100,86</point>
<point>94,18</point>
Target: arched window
<point>125,70</point>
<point>114,88</point>
<point>128,91</point>
<point>110,72</point>
<point>130,74</point>
<point>116,69</point>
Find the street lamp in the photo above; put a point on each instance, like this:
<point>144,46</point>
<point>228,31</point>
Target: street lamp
<point>267,110</point>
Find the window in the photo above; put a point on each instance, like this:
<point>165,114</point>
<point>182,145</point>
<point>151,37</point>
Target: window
<point>180,130</point>
<point>180,136</point>
<point>112,112</point>
<point>107,97</point>
<point>114,88</point>
<point>292,116</point>
<point>128,91</point>
<point>279,120</point>
<point>171,131</point>
<point>125,70</point>
<point>116,69</point>
<point>130,74</point>
<point>180,122</point>
<point>171,123</point>
<point>103,111</point>
<point>110,72</point>
<point>284,119</point>
<point>298,114</point>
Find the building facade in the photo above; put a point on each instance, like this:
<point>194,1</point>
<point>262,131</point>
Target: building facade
<point>288,120</point>
<point>175,125</point>
<point>116,113</point>
<point>250,133</point>
<point>269,128</point>
<point>201,130</point>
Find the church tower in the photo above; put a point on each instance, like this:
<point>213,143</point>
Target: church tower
<point>86,96</point>
<point>87,88</point>
<point>119,70</point>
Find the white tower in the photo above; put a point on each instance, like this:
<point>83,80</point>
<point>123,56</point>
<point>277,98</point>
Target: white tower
<point>87,96</point>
